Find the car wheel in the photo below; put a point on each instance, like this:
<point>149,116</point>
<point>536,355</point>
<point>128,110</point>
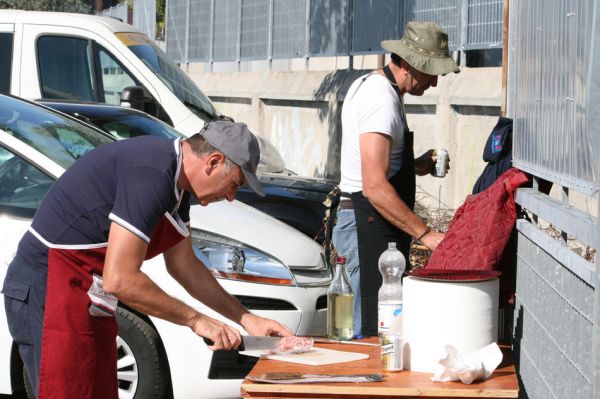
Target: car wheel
<point>142,368</point>
<point>141,362</point>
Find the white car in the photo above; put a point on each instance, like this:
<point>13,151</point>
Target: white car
<point>273,269</point>
<point>55,55</point>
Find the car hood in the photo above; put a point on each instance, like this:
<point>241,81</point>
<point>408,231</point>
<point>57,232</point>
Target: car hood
<point>243,223</point>
<point>297,182</point>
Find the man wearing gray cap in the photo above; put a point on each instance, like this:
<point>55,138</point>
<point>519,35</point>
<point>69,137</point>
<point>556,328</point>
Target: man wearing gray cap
<point>118,205</point>
<point>378,166</point>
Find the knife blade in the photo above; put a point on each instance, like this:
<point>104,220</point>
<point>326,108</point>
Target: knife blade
<point>253,343</point>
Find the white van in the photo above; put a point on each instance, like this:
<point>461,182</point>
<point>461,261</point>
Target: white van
<point>90,58</point>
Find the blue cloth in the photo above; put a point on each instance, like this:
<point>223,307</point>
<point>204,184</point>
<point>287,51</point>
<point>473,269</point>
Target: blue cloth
<point>345,241</point>
<point>497,153</point>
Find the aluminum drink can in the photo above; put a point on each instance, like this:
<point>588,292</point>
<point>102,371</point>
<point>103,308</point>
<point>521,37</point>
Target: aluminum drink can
<point>391,351</point>
<point>442,163</point>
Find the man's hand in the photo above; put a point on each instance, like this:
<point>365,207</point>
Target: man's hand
<point>256,325</point>
<point>425,163</point>
<point>432,239</point>
<point>223,336</point>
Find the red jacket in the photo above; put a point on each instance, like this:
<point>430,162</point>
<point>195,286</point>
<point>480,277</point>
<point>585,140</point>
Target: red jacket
<point>481,227</point>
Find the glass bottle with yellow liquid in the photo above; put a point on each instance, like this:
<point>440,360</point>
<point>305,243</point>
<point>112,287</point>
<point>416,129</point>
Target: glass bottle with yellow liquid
<point>339,304</point>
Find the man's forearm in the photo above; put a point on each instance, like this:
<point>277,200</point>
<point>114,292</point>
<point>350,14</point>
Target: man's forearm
<point>199,282</point>
<point>386,201</point>
<point>140,293</point>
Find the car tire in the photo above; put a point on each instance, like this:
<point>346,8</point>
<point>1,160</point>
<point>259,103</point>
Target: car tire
<point>142,367</point>
<point>141,362</point>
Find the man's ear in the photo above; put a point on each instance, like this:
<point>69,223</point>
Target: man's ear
<point>213,161</point>
<point>405,66</point>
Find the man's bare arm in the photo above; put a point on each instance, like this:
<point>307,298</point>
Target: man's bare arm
<point>375,153</point>
<point>124,279</point>
<point>185,267</point>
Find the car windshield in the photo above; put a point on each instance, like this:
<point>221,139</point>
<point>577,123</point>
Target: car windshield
<point>170,74</point>
<point>61,139</point>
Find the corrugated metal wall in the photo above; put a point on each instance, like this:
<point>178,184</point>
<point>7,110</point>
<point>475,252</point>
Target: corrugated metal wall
<point>226,30</point>
<point>144,17</point>
<point>255,29</point>
<point>289,28</point>
<point>444,12</point>
<point>557,327</point>
<point>484,29</point>
<point>374,21</point>
<point>553,59</point>
<point>264,29</point>
<point>554,325</point>
<point>177,33</point>
<point>329,27</point>
<point>200,30</point>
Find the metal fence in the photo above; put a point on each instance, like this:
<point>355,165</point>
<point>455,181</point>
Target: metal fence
<point>144,17</point>
<point>553,94</point>
<point>236,30</point>
<point>119,11</point>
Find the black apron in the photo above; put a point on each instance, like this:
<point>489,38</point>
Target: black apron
<point>374,232</point>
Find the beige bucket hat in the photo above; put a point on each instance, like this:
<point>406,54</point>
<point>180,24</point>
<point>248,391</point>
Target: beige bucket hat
<point>424,46</point>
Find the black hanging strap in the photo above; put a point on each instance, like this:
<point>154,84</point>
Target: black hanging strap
<point>392,79</point>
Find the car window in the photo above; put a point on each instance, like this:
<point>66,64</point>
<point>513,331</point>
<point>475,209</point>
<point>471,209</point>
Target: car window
<point>59,138</point>
<point>6,45</point>
<point>114,77</point>
<point>65,68</point>
<point>170,74</point>
<point>22,185</point>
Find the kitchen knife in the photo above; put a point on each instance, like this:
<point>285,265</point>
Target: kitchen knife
<point>251,343</point>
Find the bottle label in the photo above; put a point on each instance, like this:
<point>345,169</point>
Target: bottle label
<point>387,313</point>
<point>391,352</point>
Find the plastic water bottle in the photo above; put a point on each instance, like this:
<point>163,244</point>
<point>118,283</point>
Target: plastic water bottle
<point>340,301</point>
<point>391,266</point>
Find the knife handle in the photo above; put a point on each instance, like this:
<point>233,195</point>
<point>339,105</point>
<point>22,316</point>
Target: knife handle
<point>240,348</point>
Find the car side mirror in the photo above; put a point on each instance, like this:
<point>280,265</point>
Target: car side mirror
<point>138,97</point>
<point>135,97</point>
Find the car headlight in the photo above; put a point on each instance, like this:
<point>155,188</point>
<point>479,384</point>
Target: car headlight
<point>231,259</point>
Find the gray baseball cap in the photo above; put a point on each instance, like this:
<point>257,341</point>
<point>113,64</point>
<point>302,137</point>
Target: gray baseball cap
<point>238,144</point>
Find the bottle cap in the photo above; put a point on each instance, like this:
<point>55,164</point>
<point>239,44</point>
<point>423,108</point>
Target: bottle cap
<point>340,260</point>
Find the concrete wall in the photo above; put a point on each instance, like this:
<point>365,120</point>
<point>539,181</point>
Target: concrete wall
<point>299,111</point>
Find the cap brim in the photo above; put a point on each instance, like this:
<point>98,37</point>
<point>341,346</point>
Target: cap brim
<point>252,181</point>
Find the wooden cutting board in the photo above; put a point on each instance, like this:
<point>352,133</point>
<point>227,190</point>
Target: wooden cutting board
<point>319,357</point>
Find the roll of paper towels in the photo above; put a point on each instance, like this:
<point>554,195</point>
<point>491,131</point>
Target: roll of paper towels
<point>438,313</point>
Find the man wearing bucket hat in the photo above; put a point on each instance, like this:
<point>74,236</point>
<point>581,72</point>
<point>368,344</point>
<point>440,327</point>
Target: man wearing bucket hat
<point>118,205</point>
<point>378,166</point>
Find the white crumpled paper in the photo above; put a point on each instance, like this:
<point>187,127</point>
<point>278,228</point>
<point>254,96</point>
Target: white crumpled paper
<point>479,365</point>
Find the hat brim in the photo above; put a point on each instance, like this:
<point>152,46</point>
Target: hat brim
<point>430,65</point>
<point>252,181</point>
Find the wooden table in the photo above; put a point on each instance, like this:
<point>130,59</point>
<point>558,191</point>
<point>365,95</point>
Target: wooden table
<point>406,384</point>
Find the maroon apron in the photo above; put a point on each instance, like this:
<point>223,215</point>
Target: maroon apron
<point>79,353</point>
